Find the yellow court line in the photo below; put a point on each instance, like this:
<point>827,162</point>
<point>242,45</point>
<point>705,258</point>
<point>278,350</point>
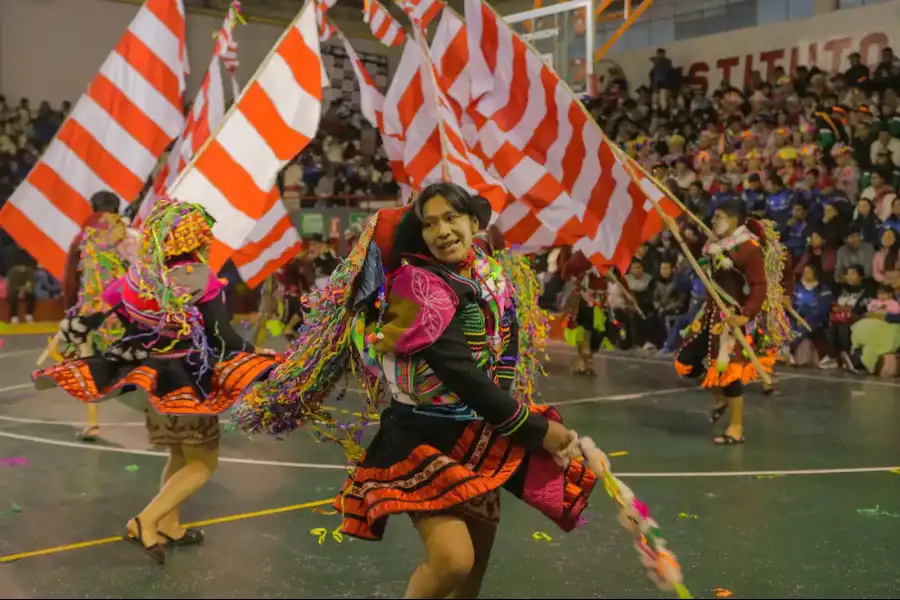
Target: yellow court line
<point>108,540</point>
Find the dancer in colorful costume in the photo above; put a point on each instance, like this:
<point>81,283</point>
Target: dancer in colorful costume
<point>442,328</point>
<point>96,258</point>
<point>178,355</point>
<point>586,324</point>
<point>745,266</point>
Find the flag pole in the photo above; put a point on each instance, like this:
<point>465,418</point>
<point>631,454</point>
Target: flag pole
<point>442,128</point>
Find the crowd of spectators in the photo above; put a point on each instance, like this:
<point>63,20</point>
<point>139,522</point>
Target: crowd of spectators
<point>817,153</point>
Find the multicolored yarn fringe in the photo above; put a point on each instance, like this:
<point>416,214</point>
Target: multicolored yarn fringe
<point>534,323</point>
<point>660,564</point>
<point>173,229</point>
<point>777,327</point>
<point>317,360</point>
<point>101,262</point>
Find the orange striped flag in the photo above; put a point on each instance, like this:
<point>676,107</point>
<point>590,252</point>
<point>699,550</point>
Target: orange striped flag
<point>274,119</point>
<point>112,140</point>
<point>272,243</point>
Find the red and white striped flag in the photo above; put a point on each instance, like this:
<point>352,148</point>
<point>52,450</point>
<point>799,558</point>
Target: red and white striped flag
<point>417,112</point>
<point>384,27</point>
<point>274,119</point>
<point>422,12</point>
<point>326,29</point>
<point>111,141</point>
<point>205,115</point>
<point>272,243</point>
<point>529,119</point>
<point>371,102</point>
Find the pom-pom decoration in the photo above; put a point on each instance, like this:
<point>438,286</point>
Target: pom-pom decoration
<point>660,564</point>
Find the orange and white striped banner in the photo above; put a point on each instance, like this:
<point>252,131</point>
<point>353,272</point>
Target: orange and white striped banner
<point>384,27</point>
<point>206,115</point>
<point>531,125</point>
<point>371,102</point>
<point>111,141</point>
<point>422,12</point>
<point>272,243</point>
<point>274,119</point>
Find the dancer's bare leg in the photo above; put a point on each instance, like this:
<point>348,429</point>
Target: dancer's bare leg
<point>200,464</point>
<point>449,557</point>
<point>170,524</point>
<point>482,535</point>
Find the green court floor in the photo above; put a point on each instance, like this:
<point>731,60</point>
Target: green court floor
<point>808,508</point>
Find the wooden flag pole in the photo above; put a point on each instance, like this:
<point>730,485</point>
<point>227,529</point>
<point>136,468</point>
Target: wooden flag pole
<point>706,230</point>
<point>442,128</point>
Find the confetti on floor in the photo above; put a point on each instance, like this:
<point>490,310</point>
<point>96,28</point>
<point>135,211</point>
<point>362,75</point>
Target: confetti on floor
<point>14,461</point>
<point>16,509</point>
<point>896,471</point>
<point>767,476</point>
<point>132,468</point>
<point>541,536</point>
<point>876,512</point>
<point>683,515</point>
<point>723,593</point>
<point>619,453</point>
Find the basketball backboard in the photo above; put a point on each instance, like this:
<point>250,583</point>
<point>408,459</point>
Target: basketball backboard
<point>563,34</point>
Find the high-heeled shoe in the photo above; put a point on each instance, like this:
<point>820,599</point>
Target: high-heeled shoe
<point>155,551</point>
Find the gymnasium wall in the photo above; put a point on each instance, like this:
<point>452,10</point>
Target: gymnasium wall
<point>51,49</point>
<point>824,40</point>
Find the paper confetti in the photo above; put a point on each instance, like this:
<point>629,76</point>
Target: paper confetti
<point>896,471</point>
<point>132,468</point>
<point>324,511</point>
<point>322,533</point>
<point>620,453</point>
<point>683,515</point>
<point>723,593</point>
<point>16,509</point>
<point>15,461</point>
<point>541,536</point>
<point>876,512</point>
<point>772,476</point>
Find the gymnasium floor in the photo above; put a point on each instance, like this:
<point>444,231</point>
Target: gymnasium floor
<point>808,508</point>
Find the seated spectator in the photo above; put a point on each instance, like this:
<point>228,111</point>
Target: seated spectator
<point>818,255</point>
<point>849,306</point>
<point>893,220</point>
<point>884,301</point>
<point>832,226</point>
<point>631,319</point>
<point>796,231</point>
<point>885,265</point>
<point>853,252</point>
<point>46,287</point>
<point>669,302</point>
<point>866,222</point>
<point>780,202</point>
<point>812,301</point>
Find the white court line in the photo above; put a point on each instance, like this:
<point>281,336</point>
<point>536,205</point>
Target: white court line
<point>297,465</point>
<point>24,352</point>
<point>562,348</point>
<point>616,398</point>
<point>20,386</point>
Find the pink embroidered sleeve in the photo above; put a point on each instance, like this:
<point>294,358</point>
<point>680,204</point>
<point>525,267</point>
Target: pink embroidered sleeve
<point>437,305</point>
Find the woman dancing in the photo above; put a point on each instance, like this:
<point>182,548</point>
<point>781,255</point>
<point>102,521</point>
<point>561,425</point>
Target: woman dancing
<point>442,330</point>
<point>745,266</point>
<point>178,354</point>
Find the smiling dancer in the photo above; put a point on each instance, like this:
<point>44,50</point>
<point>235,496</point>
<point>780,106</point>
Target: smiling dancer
<point>178,355</point>
<point>442,330</point>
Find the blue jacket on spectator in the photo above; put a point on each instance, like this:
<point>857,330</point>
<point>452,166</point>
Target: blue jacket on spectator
<point>45,285</point>
<point>814,305</point>
<point>795,238</point>
<point>779,206</point>
<point>755,200</point>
